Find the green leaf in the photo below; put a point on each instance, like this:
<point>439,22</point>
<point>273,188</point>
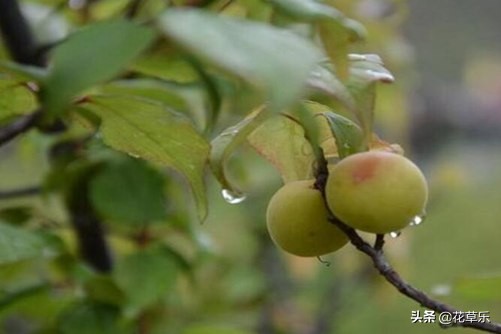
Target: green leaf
<point>227,142</point>
<point>171,67</point>
<point>335,30</point>
<point>146,277</point>
<point>148,130</point>
<point>15,98</point>
<point>486,288</point>
<point>349,137</point>
<point>18,244</point>
<point>214,329</point>
<point>365,72</point>
<point>169,94</point>
<point>313,10</point>
<point>17,215</point>
<point>336,39</point>
<point>187,98</point>
<point>246,49</point>
<point>306,9</point>
<point>282,142</point>
<point>323,80</point>
<point>368,68</point>
<point>89,318</point>
<point>129,191</point>
<point>94,54</point>
<point>12,297</point>
<point>104,290</point>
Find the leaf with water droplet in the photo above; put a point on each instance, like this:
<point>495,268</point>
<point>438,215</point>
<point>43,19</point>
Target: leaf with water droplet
<point>282,142</point>
<point>226,143</point>
<point>233,197</point>
<point>348,135</point>
<point>155,133</point>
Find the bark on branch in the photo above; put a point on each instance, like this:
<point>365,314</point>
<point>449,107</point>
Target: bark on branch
<point>380,262</point>
<point>18,126</point>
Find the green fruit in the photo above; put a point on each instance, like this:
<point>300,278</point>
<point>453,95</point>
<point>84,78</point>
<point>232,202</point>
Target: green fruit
<point>376,191</point>
<point>297,221</point>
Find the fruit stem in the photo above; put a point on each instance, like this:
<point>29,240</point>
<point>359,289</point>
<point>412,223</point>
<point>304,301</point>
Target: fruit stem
<point>379,243</point>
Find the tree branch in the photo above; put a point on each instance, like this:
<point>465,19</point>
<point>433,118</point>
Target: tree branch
<point>23,48</point>
<point>376,254</point>
<point>18,126</point>
<point>17,34</point>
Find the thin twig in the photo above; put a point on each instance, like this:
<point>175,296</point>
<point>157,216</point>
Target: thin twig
<point>29,191</point>
<point>22,46</point>
<point>386,270</point>
<point>18,126</point>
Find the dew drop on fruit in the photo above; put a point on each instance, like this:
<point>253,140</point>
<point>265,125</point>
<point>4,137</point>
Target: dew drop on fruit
<point>395,234</point>
<point>417,220</point>
<point>232,197</point>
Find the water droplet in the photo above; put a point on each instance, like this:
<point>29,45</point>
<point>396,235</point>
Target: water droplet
<point>395,234</point>
<point>441,290</point>
<point>417,220</point>
<point>232,197</point>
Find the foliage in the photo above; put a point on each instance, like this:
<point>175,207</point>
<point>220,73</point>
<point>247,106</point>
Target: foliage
<point>144,103</point>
